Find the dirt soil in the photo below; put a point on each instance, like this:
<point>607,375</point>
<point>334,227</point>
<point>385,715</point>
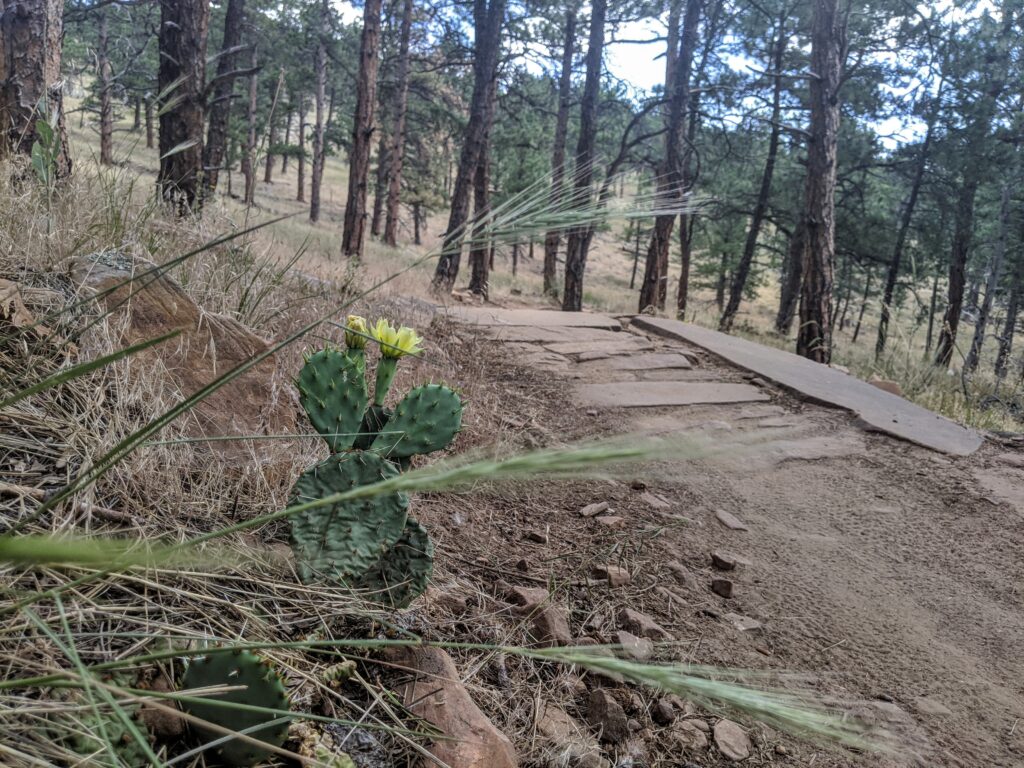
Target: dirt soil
<point>888,575</point>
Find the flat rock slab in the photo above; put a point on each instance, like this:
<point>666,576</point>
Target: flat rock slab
<point>624,344</point>
<point>644,361</point>
<point>532,317</point>
<point>878,410</point>
<point>654,394</point>
<point>548,333</point>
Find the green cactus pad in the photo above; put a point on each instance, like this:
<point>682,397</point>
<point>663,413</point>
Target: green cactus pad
<point>338,542</point>
<point>263,688</point>
<point>403,571</point>
<point>426,420</point>
<point>374,419</point>
<point>332,390</point>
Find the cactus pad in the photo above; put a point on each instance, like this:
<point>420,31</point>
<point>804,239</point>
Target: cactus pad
<point>403,571</point>
<point>426,420</point>
<point>341,541</point>
<point>332,390</point>
<point>263,688</point>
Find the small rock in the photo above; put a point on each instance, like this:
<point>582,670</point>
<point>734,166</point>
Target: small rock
<point>633,725</point>
<point>654,501</point>
<point>549,621</point>
<point>722,587</point>
<point>700,725</point>
<point>538,536</point>
<point>730,521</point>
<point>163,725</point>
<point>687,737</point>
<point>682,574</point>
<point>727,561</point>
<point>637,648</point>
<point>591,412</point>
<point>642,625</point>
<point>663,713</point>
<point>606,715</point>
<point>886,385</point>
<point>616,576</point>
<point>731,740</point>
<point>781,750</point>
<point>638,485</point>
<point>527,597</point>
<point>931,707</point>
<point>669,596</point>
<point>568,737</point>
<point>757,381</point>
<point>522,566</point>
<point>594,509</point>
<point>612,522</point>
<point>742,623</point>
<point>838,367</point>
<point>1011,459</point>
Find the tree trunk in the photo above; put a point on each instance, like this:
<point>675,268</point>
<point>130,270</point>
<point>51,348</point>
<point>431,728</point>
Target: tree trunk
<point>106,85</point>
<point>579,236</point>
<point>480,254</point>
<point>287,140</point>
<point>183,28</point>
<point>995,269</point>
<point>417,214</point>
<point>962,236</point>
<point>792,272</point>
<point>30,48</point>
<point>723,277</point>
<point>553,238</point>
<point>814,336</point>
<point>739,281</point>
<point>319,127</point>
<point>137,117</point>
<point>268,162</point>
<point>380,185</point>
<point>249,160</point>
<point>149,122</point>
<point>300,171</point>
<point>487,24</point>
<point>223,88</point>
<point>1010,323</point>
<point>398,129</point>
<point>653,290</point>
<point>362,132</point>
<point>863,306</point>
<point>636,254</point>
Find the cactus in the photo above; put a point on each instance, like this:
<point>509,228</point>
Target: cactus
<point>332,390</point>
<point>263,688</point>
<point>403,572</point>
<point>341,541</point>
<point>426,420</point>
<point>374,419</point>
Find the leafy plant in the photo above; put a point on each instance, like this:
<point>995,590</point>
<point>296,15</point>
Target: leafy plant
<point>368,543</point>
<point>45,151</point>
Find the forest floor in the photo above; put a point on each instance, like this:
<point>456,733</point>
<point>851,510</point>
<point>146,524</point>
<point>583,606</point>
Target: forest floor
<point>887,573</point>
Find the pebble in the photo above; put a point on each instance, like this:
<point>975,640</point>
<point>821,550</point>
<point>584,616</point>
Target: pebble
<point>538,536</point>
<point>682,574</point>
<point>594,509</point>
<point>612,522</point>
<point>642,625</point>
<point>607,717</point>
<point>731,740</point>
<point>722,587</point>
<point>637,648</point>
<point>615,576</point>
<point>730,521</point>
<point>726,561</point>
<point>663,713</point>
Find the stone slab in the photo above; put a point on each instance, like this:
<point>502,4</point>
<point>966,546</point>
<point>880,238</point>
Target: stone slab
<point>644,361</point>
<point>878,410</point>
<point>626,344</point>
<point>532,317</point>
<point>548,333</point>
<point>655,394</point>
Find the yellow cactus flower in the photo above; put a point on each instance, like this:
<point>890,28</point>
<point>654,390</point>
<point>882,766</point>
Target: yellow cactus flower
<point>356,332</point>
<point>396,343</point>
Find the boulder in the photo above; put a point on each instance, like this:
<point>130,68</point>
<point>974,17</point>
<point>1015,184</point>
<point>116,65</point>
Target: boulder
<point>259,401</point>
<point>437,695</point>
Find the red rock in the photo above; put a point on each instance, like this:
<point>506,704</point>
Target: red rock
<point>537,536</point>
<point>611,521</point>
<point>727,561</point>
<point>642,625</point>
<point>607,717</point>
<point>682,574</point>
<point>730,521</point>
<point>687,737</point>
<point>637,648</point>
<point>594,509</point>
<point>731,740</point>
<point>616,576</point>
<point>722,587</point>
<point>663,713</point>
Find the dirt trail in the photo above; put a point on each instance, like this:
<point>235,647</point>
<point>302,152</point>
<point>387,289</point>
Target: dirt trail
<point>889,573</point>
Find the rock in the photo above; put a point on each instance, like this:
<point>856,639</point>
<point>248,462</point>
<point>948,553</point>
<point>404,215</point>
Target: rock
<point>838,367</point>
<point>1011,459</point>
<point>687,737</point>
<point>527,597</point>
<point>591,412</point>
<point>447,598</point>
<point>727,561</point>
<point>663,713</point>
<point>730,521</point>
<point>742,623</point>
<point>537,536</point>
<point>682,574</point>
<point>612,522</point>
<point>757,381</point>
<point>549,623</point>
<point>616,576</point>
<point>731,740</point>
<point>607,717</point>
<point>438,696</point>
<point>886,385</point>
<point>162,724</point>
<point>654,501</point>
<point>700,725</point>
<point>594,509</point>
<point>637,648</point>
<point>722,587</point>
<point>638,485</point>
<point>781,750</point>
<point>633,725</point>
<point>642,625</point>
<point>258,402</point>
<point>932,708</point>
<point>669,596</point>
<point>523,566</point>
<point>566,739</point>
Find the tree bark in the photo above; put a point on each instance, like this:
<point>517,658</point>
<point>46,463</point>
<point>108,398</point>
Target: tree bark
<point>480,252</point>
<point>580,235</point>
<point>149,122</point>
<point>553,238</point>
<point>488,17</point>
<point>137,117</point>
<point>417,215</point>
<point>863,306</point>
<point>221,97</point>
<point>995,269</point>
<point>362,132</point>
<point>287,140</point>
<point>814,336</point>
<point>268,162</point>
<point>300,171</point>
<point>106,85</point>
<point>654,288</point>
<point>962,235</point>
<point>30,56</point>
<point>1010,323</point>
<point>380,185</point>
<point>319,127</point>
<point>789,293</point>
<point>739,281</point>
<point>401,108</point>
<point>183,28</point>
<point>249,159</point>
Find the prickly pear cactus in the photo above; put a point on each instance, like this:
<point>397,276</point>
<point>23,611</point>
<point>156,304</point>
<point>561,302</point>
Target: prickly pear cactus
<point>263,688</point>
<point>426,420</point>
<point>403,572</point>
<point>341,541</point>
<point>332,390</point>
